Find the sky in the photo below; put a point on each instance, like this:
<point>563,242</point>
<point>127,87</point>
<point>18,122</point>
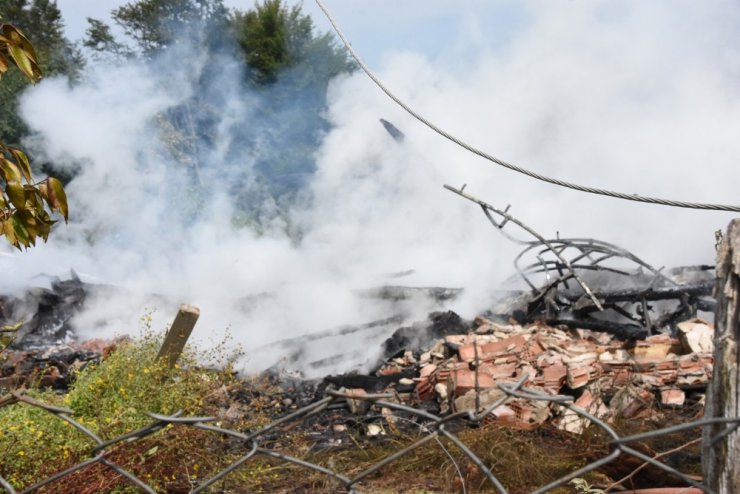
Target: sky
<point>376,27</point>
<point>640,97</point>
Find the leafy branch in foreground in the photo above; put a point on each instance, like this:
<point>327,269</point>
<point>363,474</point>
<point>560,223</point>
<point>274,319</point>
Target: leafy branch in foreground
<point>25,205</point>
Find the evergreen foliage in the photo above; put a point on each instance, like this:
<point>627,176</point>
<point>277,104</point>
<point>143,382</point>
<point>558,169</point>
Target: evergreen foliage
<point>57,55</point>
<point>155,25</point>
<point>287,64</point>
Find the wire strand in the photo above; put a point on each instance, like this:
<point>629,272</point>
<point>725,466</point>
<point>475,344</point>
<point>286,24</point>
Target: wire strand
<point>505,164</point>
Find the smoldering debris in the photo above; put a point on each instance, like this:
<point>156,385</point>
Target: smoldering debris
<point>462,371</point>
<point>591,319</point>
<point>51,367</point>
<point>633,299</point>
<point>650,359</point>
<point>41,316</point>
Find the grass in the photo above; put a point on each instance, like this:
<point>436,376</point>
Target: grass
<point>113,397</point>
<point>110,399</point>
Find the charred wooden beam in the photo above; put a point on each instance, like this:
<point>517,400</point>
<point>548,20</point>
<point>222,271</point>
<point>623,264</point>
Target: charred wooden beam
<point>622,331</point>
<point>398,293</point>
<point>650,294</point>
<point>380,325</point>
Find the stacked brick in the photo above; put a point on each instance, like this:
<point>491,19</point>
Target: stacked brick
<point>609,377</point>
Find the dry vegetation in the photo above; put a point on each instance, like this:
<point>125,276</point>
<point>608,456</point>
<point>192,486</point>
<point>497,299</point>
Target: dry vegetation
<point>112,397</point>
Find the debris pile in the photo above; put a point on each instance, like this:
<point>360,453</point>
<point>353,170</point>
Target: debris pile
<point>609,377</point>
<point>52,367</point>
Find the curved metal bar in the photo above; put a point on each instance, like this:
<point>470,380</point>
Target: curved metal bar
<point>5,485</point>
<point>144,431</point>
<point>529,230</point>
<point>675,428</point>
<point>49,408</point>
<point>301,411</point>
<point>80,427</point>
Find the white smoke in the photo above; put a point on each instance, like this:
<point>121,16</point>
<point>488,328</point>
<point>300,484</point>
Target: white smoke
<point>640,97</point>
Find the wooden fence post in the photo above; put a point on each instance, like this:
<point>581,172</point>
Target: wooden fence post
<point>721,461</point>
<point>177,336</point>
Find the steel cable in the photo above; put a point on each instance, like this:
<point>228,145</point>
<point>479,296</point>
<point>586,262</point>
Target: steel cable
<point>505,164</point>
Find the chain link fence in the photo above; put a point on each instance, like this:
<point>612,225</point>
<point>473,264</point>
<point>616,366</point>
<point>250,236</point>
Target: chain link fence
<point>433,428</point>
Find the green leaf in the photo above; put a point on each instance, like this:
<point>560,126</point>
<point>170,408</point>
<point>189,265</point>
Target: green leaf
<point>57,198</point>
<point>21,52</point>
<point>25,64</point>
<point>28,220</point>
<point>16,194</point>
<point>7,230</point>
<point>12,327</point>
<point>33,196</point>
<point>22,160</point>
<point>4,65</point>
<point>21,233</point>
<point>9,170</point>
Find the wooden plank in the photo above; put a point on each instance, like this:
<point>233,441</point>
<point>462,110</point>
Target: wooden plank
<point>720,465</point>
<point>178,334</point>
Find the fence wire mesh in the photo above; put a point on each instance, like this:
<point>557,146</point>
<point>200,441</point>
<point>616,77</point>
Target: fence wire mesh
<point>433,427</point>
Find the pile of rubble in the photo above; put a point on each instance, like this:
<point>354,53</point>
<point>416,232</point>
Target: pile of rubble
<point>608,377</point>
<point>52,367</point>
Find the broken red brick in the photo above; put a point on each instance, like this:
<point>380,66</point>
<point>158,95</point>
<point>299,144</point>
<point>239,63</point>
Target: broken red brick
<point>579,375</point>
<point>464,380</point>
<point>656,347</point>
<point>487,351</point>
<point>554,376</point>
<point>674,397</point>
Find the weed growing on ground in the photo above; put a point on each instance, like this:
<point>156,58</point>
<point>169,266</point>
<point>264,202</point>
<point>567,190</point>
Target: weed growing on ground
<point>112,398</point>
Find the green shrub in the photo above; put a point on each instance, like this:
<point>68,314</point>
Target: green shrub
<point>110,399</point>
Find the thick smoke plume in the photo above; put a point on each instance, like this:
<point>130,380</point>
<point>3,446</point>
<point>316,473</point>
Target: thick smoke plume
<point>636,96</point>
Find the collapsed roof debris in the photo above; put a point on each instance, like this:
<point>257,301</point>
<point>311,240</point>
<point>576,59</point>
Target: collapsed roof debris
<point>642,354</point>
<point>611,377</point>
<point>41,317</point>
<point>594,320</point>
<point>634,299</point>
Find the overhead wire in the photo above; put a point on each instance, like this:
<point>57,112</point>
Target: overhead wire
<point>505,164</point>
